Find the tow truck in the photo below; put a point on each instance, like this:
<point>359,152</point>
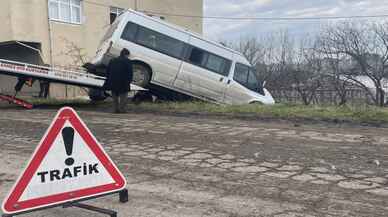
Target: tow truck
<point>80,78</point>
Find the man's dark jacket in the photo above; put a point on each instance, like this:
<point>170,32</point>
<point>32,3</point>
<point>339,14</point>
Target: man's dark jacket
<point>119,75</point>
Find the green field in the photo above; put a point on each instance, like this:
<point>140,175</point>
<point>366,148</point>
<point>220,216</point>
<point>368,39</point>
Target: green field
<point>359,114</point>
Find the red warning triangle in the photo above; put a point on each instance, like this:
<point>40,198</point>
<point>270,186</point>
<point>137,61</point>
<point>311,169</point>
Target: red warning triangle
<point>68,165</point>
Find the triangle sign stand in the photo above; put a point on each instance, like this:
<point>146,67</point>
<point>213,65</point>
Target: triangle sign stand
<point>67,167</point>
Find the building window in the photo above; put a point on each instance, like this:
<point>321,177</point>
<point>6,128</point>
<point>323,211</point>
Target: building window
<point>114,13</point>
<point>69,11</point>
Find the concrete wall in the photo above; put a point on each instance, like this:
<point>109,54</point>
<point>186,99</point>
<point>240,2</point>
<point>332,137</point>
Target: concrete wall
<point>96,20</point>
<point>74,45</point>
<point>68,44</point>
<point>5,17</point>
<point>29,23</point>
<point>186,7</point>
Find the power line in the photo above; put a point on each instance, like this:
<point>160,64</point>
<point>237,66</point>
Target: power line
<point>99,4</point>
<point>270,18</point>
<point>253,18</point>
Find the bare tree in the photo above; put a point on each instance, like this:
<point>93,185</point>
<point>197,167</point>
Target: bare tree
<point>78,57</point>
<point>334,67</point>
<point>77,54</point>
<point>367,46</point>
<point>282,65</point>
<point>306,69</point>
<point>252,49</point>
<point>269,65</point>
<point>265,55</point>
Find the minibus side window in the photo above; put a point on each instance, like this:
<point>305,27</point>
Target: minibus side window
<point>170,46</point>
<point>129,32</point>
<point>159,42</point>
<point>147,37</point>
<point>208,61</point>
<point>198,56</point>
<point>241,74</point>
<point>215,63</point>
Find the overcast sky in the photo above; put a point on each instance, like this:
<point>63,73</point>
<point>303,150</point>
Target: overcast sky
<point>233,30</point>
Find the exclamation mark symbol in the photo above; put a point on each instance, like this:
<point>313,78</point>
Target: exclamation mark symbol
<point>68,139</point>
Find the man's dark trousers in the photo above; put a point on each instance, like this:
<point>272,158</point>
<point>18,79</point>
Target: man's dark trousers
<point>120,102</point>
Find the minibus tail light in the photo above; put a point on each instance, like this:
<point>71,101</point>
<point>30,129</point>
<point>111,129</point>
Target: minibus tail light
<point>110,47</point>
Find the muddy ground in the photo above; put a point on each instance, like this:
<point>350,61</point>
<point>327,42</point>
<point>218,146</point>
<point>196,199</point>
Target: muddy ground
<point>211,166</point>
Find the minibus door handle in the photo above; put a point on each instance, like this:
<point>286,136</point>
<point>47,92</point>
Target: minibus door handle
<point>228,81</point>
<point>221,79</point>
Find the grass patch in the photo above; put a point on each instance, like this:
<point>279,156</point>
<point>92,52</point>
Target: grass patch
<point>360,114</point>
<point>355,114</point>
<point>39,102</point>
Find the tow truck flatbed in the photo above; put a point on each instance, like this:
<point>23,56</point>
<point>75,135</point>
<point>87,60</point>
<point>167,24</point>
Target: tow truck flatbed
<point>59,75</point>
<point>79,78</point>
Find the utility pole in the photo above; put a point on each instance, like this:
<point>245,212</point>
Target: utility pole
<point>50,35</point>
<point>50,38</point>
<point>136,5</point>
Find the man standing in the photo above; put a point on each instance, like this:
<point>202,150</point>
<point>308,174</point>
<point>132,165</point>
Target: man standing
<point>119,78</point>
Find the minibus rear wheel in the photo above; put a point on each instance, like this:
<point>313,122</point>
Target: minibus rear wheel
<point>96,95</point>
<point>141,75</point>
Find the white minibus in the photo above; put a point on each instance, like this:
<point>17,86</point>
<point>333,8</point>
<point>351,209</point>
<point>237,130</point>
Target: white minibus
<point>169,59</point>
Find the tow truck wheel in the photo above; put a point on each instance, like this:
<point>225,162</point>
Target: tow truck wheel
<point>97,95</point>
<point>141,75</point>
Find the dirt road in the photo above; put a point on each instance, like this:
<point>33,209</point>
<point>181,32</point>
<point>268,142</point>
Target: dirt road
<point>198,166</point>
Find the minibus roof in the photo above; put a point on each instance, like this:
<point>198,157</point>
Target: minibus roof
<point>178,28</point>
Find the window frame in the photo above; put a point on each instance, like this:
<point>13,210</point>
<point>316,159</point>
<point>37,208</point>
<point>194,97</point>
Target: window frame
<point>69,4</point>
<point>116,11</point>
